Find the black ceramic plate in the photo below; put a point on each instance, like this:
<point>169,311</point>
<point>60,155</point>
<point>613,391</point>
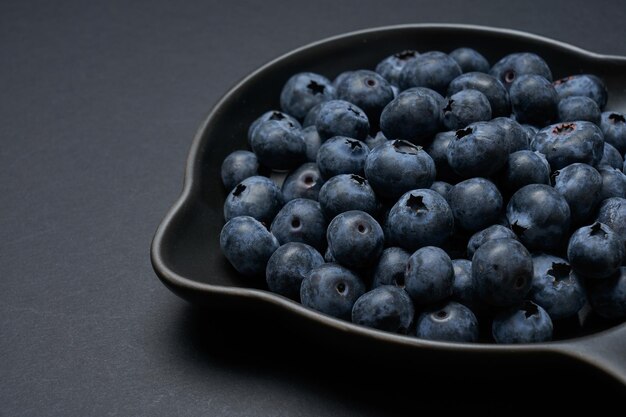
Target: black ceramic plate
<point>185,251</point>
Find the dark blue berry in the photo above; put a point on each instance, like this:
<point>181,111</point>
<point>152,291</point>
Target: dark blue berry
<point>566,143</point>
<point>452,322</point>
<point>374,141</point>
<point>247,245</point>
<point>347,192</point>
<point>368,90</point>
<point>303,91</point>
<point>476,203</point>
<point>576,108</point>
<point>595,251</point>
<point>608,296</point>
<point>289,121</point>
<point>463,289</point>
<point>301,220</point>
<point>278,146</point>
<point>524,168</point>
<point>515,135</point>
<point>526,324</point>
<point>612,212</point>
<point>342,155</point>
<point>238,166</point>
<point>311,116</point>
<point>312,142</point>
<point>508,69</point>
<point>465,107</point>
<point>414,116</point>
<point>389,269</point>
<point>305,182</point>
<point>613,183</point>
<point>479,150</point>
<point>257,196</point>
<point>488,85</point>
<point>432,69</point>
<point>582,85</point>
<point>611,157</point>
<point>391,67</point>
<point>387,308</point>
<point>288,266</point>
<point>492,232</point>
<point>613,125</point>
<point>355,239</point>
<point>340,118</point>
<point>533,100</point>
<point>442,188</point>
<point>580,185</point>
<point>470,60</point>
<point>429,275</point>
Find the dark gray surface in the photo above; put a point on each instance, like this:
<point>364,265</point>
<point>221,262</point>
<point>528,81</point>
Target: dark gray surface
<point>99,104</point>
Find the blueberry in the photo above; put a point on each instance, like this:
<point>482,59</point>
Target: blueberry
<point>463,289</point>
<point>442,188</point>
<point>303,91</point>
<point>420,218</point>
<point>524,168</point>
<point>576,108</point>
<point>331,289</point>
<point>368,90</point>
<point>429,275</point>
<point>391,67</point>
<point>613,125</point>
<point>328,256</point>
<point>612,212</point>
<point>385,308</point>
<point>526,324</point>
<point>288,266</point>
<point>428,92</point>
<point>488,85</point>
<point>278,146</point>
<point>595,251</point>
<point>556,287</point>
<point>539,216</point>
<point>414,116</point>
<point>492,232</point>
<point>340,118</point>
<point>301,220</point>
<point>311,116</point>
<point>531,131</point>
<point>479,150</point>
<point>611,157</point>
<point>613,183</point>
<point>452,322</point>
<point>470,60</point>
<point>432,69</point>
<point>389,269</point>
<point>374,141</point>
<point>566,143</point>
<point>608,296</point>
<point>580,185</point>
<point>508,69</point>
<point>476,203</point>
<point>502,270</point>
<point>398,166</point>
<point>437,150</point>
<point>347,192</point>
<point>238,166</point>
<point>534,100</point>
<point>312,142</point>
<point>582,85</point>
<point>465,107</point>
<point>247,245</point>
<point>355,239</point>
<point>339,78</point>
<point>341,155</point>
<point>289,121</point>
<point>515,134</point>
<point>305,182</point>
<point>257,196</point>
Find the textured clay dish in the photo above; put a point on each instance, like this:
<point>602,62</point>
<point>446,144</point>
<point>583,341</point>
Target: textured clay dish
<point>185,251</point>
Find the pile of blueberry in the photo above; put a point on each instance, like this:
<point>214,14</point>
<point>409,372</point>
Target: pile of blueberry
<point>435,196</point>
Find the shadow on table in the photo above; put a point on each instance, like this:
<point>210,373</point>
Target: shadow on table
<point>258,344</point>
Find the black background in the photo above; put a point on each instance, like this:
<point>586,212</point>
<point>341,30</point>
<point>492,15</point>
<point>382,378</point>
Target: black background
<point>99,102</point>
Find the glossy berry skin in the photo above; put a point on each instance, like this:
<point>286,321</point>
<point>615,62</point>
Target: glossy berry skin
<point>278,145</point>
<point>476,203</point>
<point>340,118</point>
<point>479,150</point>
<point>611,157</point>
<point>247,245</point>
<point>452,322</point>
<point>576,108</point>
<point>502,270</point>
<point>613,125</point>
<point>442,188</point>
<point>303,91</point>
<point>355,239</point>
<point>389,269</point>
<point>391,67</point>
<point>567,143</point>
<point>341,155</point>
<point>613,183</point>
<point>488,85</point>
<point>612,212</point>
<point>608,296</point>
<point>432,70</point>
<point>492,232</point>
<point>429,275</point>
<point>509,69</point>
<point>437,150</point>
<point>556,287</point>
<point>304,182</point>
<point>331,289</point>
<point>288,266</point>
<point>288,121</point>
<point>301,220</point>
<point>524,168</point>
<point>533,100</point>
<point>463,289</point>
<point>312,142</point>
<point>528,324</point>
<point>585,85</point>
<point>347,192</point>
<point>398,166</point>
<point>414,116</point>
<point>257,196</point>
<point>580,185</point>
<point>515,134</point>
<point>470,60</point>
<point>539,216</point>
<point>595,251</point>
<point>420,218</point>
<point>238,166</point>
<point>368,90</point>
<point>387,308</point>
<point>465,107</point>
